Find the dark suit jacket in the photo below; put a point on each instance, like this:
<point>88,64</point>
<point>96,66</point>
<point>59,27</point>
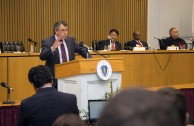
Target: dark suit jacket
<point>53,58</point>
<point>131,44</point>
<point>170,41</point>
<point>45,106</point>
<point>107,42</point>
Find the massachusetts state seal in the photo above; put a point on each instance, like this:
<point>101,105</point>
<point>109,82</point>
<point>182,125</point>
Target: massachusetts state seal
<point>104,70</point>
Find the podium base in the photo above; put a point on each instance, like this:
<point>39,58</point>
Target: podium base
<point>8,102</point>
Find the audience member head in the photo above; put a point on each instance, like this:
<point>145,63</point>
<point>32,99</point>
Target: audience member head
<point>39,76</point>
<point>60,29</point>
<point>138,107</point>
<point>69,120</point>
<point>177,99</point>
<point>174,33</point>
<point>136,35</point>
<point>114,33</point>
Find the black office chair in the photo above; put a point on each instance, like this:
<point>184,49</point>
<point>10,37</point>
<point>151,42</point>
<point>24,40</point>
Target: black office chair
<point>162,44</point>
<point>95,45</point>
<point>126,47</point>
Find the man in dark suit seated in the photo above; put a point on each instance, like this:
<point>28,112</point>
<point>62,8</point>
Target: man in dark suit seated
<point>43,108</point>
<point>60,48</point>
<point>113,35</point>
<point>136,42</point>
<point>175,40</point>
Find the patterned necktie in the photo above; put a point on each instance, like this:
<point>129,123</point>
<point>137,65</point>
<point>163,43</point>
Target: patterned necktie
<point>180,45</point>
<point>63,53</point>
<point>139,43</point>
<point>113,46</point>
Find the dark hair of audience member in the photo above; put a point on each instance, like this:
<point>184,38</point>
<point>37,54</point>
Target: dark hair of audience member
<point>138,107</point>
<point>40,76</point>
<point>177,99</point>
<point>69,120</point>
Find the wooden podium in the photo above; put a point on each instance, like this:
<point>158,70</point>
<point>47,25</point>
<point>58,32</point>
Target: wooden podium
<point>80,77</point>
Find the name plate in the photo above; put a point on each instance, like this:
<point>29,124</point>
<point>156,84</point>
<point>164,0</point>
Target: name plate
<point>139,49</point>
<point>172,48</point>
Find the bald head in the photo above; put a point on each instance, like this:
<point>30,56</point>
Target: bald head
<point>136,35</point>
<point>174,33</point>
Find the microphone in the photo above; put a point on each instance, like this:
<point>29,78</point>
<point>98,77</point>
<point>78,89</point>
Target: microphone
<point>86,46</point>
<point>156,38</point>
<point>30,40</point>
<point>3,84</point>
<point>109,37</point>
<point>82,44</point>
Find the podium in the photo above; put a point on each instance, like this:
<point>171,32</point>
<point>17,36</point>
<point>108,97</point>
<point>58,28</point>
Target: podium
<point>80,77</point>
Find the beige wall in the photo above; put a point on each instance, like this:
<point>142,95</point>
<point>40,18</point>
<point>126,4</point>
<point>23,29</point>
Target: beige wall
<point>165,14</point>
<point>88,19</point>
<point>193,20</point>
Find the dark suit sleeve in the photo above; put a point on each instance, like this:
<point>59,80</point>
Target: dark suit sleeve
<point>22,121</point>
<point>119,46</point>
<point>182,41</point>
<point>129,45</point>
<point>76,111</point>
<point>46,50</point>
<point>145,44</point>
<point>82,51</point>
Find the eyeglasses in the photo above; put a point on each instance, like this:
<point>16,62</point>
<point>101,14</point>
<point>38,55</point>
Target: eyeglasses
<point>62,30</point>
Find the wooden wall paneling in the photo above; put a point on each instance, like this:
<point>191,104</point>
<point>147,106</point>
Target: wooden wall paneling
<point>18,68</point>
<point>144,69</point>
<point>3,78</point>
<point>88,19</point>
<point>140,69</point>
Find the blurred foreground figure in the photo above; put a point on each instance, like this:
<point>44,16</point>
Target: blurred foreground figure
<point>138,107</point>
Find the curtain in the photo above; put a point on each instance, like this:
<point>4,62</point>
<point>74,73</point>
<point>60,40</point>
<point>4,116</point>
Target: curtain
<point>9,115</point>
<point>189,94</point>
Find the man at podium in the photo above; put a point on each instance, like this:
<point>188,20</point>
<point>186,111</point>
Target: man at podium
<point>60,48</point>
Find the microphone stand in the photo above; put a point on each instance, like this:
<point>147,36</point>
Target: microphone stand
<point>99,53</point>
<point>110,45</point>
<point>35,47</point>
<point>8,98</point>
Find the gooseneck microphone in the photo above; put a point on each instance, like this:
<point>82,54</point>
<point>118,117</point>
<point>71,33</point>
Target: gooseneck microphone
<point>3,84</point>
<point>109,37</point>
<point>33,49</point>
<point>85,47</point>
<point>82,44</point>
<point>156,38</point>
<point>99,53</point>
<point>30,40</point>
